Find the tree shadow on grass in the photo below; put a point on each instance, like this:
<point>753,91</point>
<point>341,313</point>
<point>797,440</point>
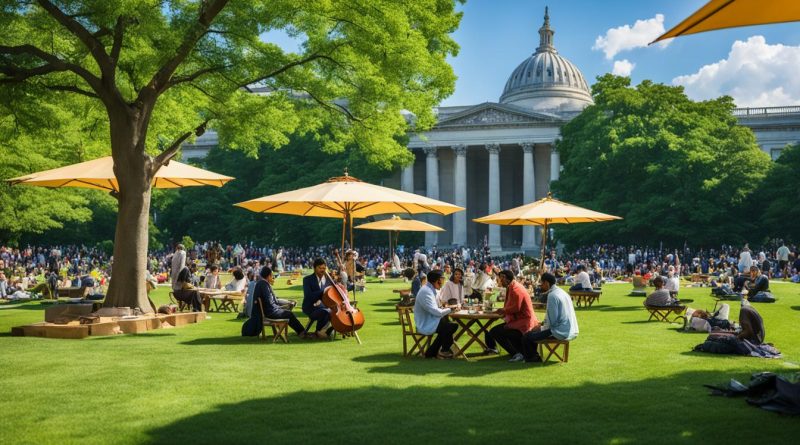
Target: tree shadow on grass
<point>796,308</point>
<point>478,365</point>
<point>621,308</point>
<point>618,412</point>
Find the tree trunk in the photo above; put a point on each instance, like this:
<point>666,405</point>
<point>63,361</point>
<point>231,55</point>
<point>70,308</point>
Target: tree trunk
<point>132,169</point>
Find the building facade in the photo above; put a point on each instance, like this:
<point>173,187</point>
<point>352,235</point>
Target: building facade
<point>498,155</point>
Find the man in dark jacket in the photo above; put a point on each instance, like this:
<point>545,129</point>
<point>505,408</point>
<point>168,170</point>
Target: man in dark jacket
<point>264,296</point>
<point>314,286</point>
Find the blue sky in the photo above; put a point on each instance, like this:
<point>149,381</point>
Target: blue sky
<point>495,36</point>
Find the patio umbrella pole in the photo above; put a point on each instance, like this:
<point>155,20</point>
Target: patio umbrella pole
<point>544,246</point>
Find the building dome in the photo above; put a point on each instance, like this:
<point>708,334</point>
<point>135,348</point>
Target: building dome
<point>547,81</point>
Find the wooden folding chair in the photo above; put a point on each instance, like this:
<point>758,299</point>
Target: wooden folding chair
<point>552,345</point>
<point>664,313</point>
<point>419,342</point>
<point>280,326</point>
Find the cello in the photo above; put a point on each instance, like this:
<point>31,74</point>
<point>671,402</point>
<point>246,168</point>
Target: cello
<point>345,319</point>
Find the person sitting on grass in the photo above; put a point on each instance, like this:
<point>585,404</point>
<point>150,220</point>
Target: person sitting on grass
<point>560,321</point>
<point>582,280</point>
<point>758,283</point>
<point>271,307</point>
<point>430,319</point>
<point>519,318</point>
<point>661,296</point>
<point>749,340</point>
<point>700,320</point>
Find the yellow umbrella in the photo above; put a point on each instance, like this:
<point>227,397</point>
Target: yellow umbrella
<point>395,225</point>
<point>99,174</point>
<point>347,197</point>
<point>544,212</point>
<point>720,14</point>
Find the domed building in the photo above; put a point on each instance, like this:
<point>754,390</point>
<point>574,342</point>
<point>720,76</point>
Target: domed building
<point>498,155</point>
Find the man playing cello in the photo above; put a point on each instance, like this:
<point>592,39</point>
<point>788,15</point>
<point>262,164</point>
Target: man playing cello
<point>314,286</point>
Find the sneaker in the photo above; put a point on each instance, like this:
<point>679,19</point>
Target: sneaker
<point>444,355</point>
<point>516,358</point>
<point>490,351</point>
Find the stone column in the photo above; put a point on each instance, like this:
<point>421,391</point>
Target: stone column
<point>432,188</point>
<point>555,164</point>
<point>407,177</point>
<point>494,195</point>
<point>528,193</point>
<point>460,192</point>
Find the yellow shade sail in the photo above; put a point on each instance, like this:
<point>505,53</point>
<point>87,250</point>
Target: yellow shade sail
<point>99,174</point>
<point>396,224</point>
<point>346,195</point>
<point>720,14</point>
<point>545,211</point>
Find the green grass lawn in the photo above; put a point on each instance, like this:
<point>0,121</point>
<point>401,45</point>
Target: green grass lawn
<point>627,381</point>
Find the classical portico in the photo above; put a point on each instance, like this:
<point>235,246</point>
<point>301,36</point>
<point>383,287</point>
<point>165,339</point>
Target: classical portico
<point>498,155</point>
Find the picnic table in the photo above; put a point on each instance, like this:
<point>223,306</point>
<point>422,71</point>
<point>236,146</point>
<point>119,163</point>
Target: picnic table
<point>224,300</point>
<point>472,325</point>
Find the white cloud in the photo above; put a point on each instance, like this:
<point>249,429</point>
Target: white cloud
<point>623,67</point>
<point>755,74</point>
<point>627,37</point>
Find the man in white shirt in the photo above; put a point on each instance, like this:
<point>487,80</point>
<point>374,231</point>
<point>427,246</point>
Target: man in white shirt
<point>673,283</point>
<point>430,319</point>
<point>745,260</point>
<point>582,280</point>
<point>783,259</point>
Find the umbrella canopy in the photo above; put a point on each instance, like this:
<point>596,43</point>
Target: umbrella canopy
<point>396,224</point>
<point>720,14</point>
<point>347,196</point>
<point>544,212</point>
<point>99,174</point>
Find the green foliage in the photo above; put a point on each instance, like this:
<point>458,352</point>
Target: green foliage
<point>107,246</point>
<point>676,170</point>
<point>775,204</point>
<point>187,242</point>
<point>208,213</point>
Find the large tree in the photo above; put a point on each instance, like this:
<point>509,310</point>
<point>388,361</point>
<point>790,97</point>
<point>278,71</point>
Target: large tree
<point>775,204</point>
<point>165,70</point>
<point>676,170</point>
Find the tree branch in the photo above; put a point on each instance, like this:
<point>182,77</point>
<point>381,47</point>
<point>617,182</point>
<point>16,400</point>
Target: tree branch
<point>160,80</point>
<point>336,108</point>
<point>116,46</point>
<point>193,76</point>
<point>54,64</point>
<point>89,41</point>
<point>72,89</point>
<point>287,67</point>
<point>165,156</point>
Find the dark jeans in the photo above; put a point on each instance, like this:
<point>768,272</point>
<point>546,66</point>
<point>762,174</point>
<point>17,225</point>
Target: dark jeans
<point>509,339</point>
<point>530,343</point>
<point>578,287</point>
<point>321,315</point>
<point>444,337</point>
<point>294,323</point>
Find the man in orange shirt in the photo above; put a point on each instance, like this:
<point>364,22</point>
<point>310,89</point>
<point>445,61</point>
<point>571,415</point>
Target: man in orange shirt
<point>518,315</point>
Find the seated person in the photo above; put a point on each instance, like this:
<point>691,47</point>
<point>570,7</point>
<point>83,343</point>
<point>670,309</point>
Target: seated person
<point>518,315</point>
<point>184,290</point>
<point>749,341</point>
<point>212,280</point>
<point>411,275</point>
<point>452,292</point>
<point>482,283</point>
<point>314,286</point>
<point>238,283</point>
<point>700,320</point>
<point>248,296</point>
<point>430,319</point>
<point>264,295</point>
<point>660,296</point>
<point>752,325</point>
<point>758,282</point>
<point>560,321</point>
<point>581,280</point>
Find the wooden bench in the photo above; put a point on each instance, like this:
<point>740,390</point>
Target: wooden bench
<point>584,298</point>
<point>418,342</point>
<point>664,313</point>
<point>553,345</point>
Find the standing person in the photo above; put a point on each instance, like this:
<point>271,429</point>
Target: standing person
<point>517,312</point>
<point>432,320</point>
<point>782,254</point>
<point>560,321</point>
<point>178,263</point>
<point>745,259</point>
<point>314,286</point>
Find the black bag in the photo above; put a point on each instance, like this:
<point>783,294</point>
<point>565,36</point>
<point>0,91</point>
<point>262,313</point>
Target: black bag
<point>719,344</point>
<point>762,297</point>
